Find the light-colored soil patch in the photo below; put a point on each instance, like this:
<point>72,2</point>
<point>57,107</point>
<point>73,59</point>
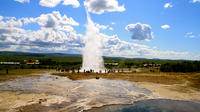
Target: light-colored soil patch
<point>52,93</point>
<point>174,92</point>
<point>177,86</point>
<point>9,101</point>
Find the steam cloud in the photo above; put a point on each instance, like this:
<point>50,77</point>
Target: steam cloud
<point>92,53</point>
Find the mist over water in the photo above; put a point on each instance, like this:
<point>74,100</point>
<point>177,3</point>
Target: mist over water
<point>92,53</point>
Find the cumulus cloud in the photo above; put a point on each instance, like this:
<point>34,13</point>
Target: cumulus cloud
<point>22,1</point>
<point>56,34</point>
<point>113,46</point>
<point>141,32</point>
<point>49,3</point>
<point>55,38</point>
<point>53,20</point>
<point>100,6</point>
<point>10,22</point>
<point>74,3</point>
<point>53,3</point>
<point>110,28</point>
<point>167,5</point>
<point>103,27</point>
<point>195,1</point>
<point>165,26</point>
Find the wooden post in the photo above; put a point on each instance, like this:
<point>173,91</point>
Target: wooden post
<point>6,71</point>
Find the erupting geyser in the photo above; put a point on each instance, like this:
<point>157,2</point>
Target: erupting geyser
<point>92,53</point>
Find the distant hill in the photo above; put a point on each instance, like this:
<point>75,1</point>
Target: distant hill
<point>12,53</point>
<point>8,53</point>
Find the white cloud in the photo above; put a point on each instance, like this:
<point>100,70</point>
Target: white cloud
<point>10,22</point>
<point>57,39</point>
<point>100,6</point>
<point>53,20</point>
<point>49,3</point>
<point>141,32</point>
<point>53,3</point>
<point>167,5</point>
<point>113,23</point>
<point>22,1</point>
<point>103,27</point>
<point>56,33</point>
<point>74,3</point>
<point>189,35</point>
<point>110,28</point>
<point>165,26</point>
<point>1,17</point>
<point>113,46</point>
<point>194,1</point>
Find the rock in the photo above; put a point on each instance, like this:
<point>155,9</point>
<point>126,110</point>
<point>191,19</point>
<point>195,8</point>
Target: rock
<point>42,100</point>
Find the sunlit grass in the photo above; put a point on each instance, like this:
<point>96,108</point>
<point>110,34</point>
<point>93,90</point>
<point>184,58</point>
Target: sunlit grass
<point>134,77</point>
<point>13,73</point>
<point>160,78</point>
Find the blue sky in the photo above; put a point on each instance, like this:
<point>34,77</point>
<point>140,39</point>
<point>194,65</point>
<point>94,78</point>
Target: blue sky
<point>167,29</point>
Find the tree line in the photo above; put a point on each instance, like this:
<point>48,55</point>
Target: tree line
<point>55,62</point>
<point>186,66</point>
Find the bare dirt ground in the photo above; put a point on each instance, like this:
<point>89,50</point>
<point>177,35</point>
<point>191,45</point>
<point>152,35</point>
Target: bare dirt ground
<point>175,86</point>
<point>174,91</point>
<point>10,101</point>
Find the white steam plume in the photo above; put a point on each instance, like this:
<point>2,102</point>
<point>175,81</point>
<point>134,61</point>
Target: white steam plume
<point>92,53</point>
